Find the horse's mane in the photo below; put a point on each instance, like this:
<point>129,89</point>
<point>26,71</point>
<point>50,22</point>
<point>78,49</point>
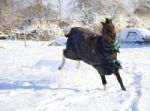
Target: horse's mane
<point>108,30</point>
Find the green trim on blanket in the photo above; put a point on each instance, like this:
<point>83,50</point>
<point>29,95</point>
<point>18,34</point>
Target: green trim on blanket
<point>114,63</point>
<point>115,46</point>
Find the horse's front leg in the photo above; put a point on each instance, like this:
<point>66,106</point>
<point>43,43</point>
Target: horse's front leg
<point>117,74</point>
<point>63,63</point>
<point>104,82</point>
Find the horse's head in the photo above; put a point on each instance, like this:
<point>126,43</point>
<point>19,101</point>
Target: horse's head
<point>108,29</point>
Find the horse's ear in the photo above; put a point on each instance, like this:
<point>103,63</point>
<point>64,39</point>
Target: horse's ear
<point>108,20</point>
<point>102,23</point>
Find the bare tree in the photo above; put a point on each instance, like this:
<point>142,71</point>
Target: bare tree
<point>89,8</point>
<point>82,5</point>
<point>3,4</point>
<point>142,8</point>
<point>58,9</point>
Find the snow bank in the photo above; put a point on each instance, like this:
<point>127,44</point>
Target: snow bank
<point>58,42</point>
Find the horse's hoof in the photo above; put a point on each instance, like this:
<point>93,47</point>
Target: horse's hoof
<point>104,87</point>
<point>77,67</point>
<point>59,68</point>
<point>124,89</point>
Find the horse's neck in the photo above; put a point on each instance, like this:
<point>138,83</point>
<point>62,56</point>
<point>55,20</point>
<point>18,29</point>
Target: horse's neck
<point>108,37</point>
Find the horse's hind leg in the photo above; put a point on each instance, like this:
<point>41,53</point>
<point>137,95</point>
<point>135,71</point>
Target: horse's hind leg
<point>63,63</point>
<point>78,65</point>
<point>104,82</point>
<point>117,74</point>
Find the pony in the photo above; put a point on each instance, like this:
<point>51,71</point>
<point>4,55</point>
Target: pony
<point>96,50</point>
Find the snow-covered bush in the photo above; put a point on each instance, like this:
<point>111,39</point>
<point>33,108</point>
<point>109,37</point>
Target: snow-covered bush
<point>120,22</point>
<point>66,25</point>
<point>35,32</point>
<point>135,21</point>
<point>51,31</point>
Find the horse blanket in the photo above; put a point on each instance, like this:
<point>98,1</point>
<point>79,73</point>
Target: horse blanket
<point>90,47</point>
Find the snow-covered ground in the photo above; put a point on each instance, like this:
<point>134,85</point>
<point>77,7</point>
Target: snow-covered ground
<point>30,80</point>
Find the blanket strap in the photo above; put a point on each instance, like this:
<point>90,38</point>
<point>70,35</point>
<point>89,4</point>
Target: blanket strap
<point>114,62</point>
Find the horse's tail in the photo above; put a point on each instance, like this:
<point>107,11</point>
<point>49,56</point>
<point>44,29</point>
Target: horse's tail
<point>67,35</point>
<point>72,32</point>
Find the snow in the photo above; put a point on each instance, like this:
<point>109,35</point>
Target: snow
<point>30,80</point>
<point>58,42</point>
<point>2,35</point>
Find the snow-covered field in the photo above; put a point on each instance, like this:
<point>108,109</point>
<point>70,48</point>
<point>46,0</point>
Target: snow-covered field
<point>30,80</point>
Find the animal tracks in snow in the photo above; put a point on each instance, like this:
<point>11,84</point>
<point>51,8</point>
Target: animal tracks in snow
<point>134,89</point>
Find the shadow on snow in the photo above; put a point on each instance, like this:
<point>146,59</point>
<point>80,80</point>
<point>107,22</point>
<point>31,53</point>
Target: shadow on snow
<point>31,85</point>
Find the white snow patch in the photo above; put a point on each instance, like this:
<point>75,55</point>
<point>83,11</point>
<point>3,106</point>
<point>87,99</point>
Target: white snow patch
<point>30,80</point>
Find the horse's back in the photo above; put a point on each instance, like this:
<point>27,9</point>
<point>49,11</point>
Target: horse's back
<point>81,32</point>
<point>80,43</point>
